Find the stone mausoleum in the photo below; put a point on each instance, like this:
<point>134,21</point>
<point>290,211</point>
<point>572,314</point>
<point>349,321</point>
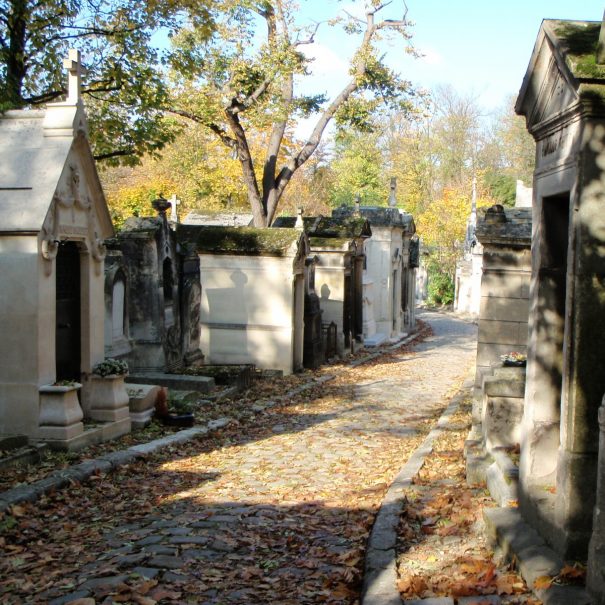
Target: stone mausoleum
<point>389,277</point>
<point>252,294</point>
<point>562,472</point>
<point>55,221</point>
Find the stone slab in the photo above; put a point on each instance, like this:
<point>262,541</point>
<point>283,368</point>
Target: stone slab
<point>430,601</point>
<point>182,382</point>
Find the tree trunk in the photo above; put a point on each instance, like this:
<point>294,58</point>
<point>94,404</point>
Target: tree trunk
<point>15,63</point>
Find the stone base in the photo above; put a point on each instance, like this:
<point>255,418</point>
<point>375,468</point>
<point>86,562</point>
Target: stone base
<point>91,436</point>
<point>140,420</point>
<point>60,433</point>
<point>375,340</point>
<point>399,336</point>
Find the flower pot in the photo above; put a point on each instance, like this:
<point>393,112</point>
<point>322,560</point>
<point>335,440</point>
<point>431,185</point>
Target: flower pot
<point>108,398</point>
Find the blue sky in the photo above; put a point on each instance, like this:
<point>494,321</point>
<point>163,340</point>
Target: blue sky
<point>479,47</point>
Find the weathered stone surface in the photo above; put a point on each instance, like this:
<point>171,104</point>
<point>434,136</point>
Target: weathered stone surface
<point>565,595</point>
<point>167,562</point>
<point>68,598</point>
<point>146,572</point>
<point>107,581</point>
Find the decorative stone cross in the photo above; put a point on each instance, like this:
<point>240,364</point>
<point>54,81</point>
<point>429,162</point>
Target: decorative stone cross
<point>174,202</point>
<point>392,197</point>
<point>73,64</point>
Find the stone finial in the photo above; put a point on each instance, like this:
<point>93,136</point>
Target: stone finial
<point>600,58</point>
<point>73,64</point>
<point>392,196</point>
<point>161,205</point>
<point>357,211</point>
<point>174,202</point>
<point>495,214</point>
<point>299,224</point>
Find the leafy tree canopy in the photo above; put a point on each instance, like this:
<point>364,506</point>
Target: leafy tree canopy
<point>245,79</point>
<point>124,88</point>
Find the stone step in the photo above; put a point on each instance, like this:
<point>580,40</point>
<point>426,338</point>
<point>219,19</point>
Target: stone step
<point>518,541</point>
<point>502,478</point>
<point>23,456</point>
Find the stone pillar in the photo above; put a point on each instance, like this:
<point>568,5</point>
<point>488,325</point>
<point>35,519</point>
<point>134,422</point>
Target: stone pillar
<point>584,368</point>
<point>595,580</point>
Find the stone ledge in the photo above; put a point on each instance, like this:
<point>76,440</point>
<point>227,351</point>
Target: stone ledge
<point>516,539</point>
<point>183,382</point>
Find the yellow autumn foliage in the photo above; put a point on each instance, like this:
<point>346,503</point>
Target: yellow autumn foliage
<point>442,226</point>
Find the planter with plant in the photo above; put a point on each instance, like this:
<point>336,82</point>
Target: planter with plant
<point>108,396</point>
<point>514,359</point>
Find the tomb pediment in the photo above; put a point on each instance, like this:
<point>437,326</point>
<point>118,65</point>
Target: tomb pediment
<point>562,74</point>
<point>48,178</point>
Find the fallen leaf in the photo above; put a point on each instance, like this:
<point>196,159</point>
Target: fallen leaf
<point>543,582</point>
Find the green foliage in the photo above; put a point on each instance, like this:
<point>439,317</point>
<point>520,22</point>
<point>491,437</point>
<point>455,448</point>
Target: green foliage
<point>501,187</point>
<point>124,88</point>
<point>111,367</point>
<point>247,79</point>
<point>357,170</point>
<point>440,286</point>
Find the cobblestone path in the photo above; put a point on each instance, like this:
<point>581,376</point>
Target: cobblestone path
<point>274,508</point>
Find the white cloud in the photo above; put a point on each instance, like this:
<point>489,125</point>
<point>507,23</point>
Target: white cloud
<point>325,61</point>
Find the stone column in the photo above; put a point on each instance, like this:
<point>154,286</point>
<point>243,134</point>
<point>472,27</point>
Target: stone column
<point>584,368</point>
<point>595,580</point>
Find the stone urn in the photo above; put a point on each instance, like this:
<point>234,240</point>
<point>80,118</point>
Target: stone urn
<point>60,412</point>
<point>108,398</point>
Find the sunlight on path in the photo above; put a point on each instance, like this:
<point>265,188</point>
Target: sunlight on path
<point>274,510</point>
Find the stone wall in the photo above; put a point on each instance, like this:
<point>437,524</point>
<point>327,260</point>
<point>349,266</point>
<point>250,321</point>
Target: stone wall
<point>503,315</point>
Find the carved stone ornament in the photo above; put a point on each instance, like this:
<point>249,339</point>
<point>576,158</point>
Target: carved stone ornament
<point>50,237</point>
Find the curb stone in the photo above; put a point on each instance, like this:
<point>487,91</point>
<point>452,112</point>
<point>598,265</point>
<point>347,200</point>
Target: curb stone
<point>380,573</point>
<point>380,352</point>
<point>78,473</point>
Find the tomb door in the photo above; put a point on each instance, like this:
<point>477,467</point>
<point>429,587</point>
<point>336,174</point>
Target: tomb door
<point>298,326</point>
<point>67,340</point>
<point>394,308</point>
<point>347,319</point>
<point>358,299</point>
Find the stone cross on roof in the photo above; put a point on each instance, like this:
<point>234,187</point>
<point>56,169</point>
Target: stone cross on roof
<point>73,64</point>
<point>174,214</point>
<point>393,197</point>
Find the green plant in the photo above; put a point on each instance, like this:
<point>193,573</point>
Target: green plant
<point>65,383</point>
<point>110,367</point>
<point>440,288</point>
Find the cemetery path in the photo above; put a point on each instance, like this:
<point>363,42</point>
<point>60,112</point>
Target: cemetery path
<point>274,508</point>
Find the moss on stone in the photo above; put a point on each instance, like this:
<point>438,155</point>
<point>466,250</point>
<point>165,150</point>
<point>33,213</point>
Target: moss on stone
<point>337,243</point>
<point>241,241</point>
<point>594,94</point>
<point>345,227</point>
<point>580,42</point>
